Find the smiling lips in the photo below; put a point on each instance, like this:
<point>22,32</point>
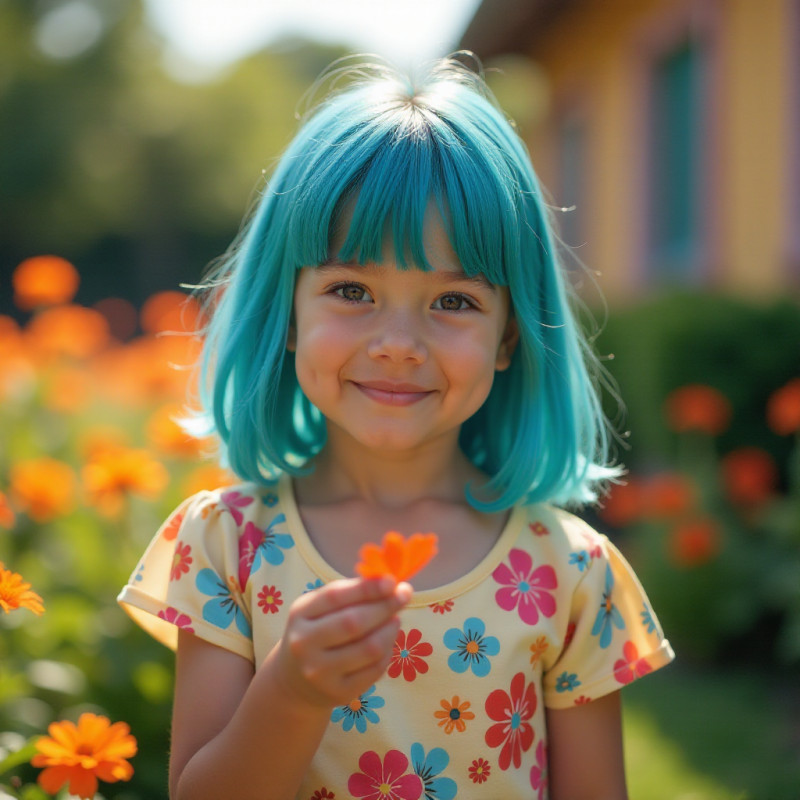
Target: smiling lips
<point>392,394</point>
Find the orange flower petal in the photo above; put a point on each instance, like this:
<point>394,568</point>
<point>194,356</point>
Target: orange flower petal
<point>398,557</point>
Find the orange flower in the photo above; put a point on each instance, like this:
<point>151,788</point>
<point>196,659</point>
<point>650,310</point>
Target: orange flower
<point>397,556</point>
<point>698,408</point>
<point>170,311</point>
<point>454,715</point>
<point>115,472</point>
<point>80,754</point>
<point>695,542</point>
<point>750,476</point>
<point>15,593</point>
<point>783,409</point>
<point>623,505</point>
<point>44,281</point>
<point>167,436</point>
<point>538,649</point>
<point>68,389</point>
<point>207,477</point>
<point>667,496</point>
<point>7,516</point>
<point>121,316</point>
<point>73,331</point>
<point>43,487</point>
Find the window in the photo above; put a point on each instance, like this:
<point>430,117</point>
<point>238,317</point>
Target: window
<point>676,162</point>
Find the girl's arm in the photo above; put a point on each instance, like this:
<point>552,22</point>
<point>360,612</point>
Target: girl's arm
<point>259,731</point>
<point>585,754</point>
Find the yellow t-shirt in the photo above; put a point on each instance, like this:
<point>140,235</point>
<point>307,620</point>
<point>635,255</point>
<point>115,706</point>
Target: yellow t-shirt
<point>553,616</point>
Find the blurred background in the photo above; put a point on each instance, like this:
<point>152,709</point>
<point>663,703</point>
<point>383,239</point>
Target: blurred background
<point>133,136</point>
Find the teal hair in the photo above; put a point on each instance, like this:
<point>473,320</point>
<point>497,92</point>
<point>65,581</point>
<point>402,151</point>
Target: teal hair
<point>385,148</point>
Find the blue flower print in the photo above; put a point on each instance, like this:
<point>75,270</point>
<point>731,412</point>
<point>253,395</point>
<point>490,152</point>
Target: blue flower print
<point>608,617</point>
<point>359,711</point>
<point>471,648</point>
<point>428,767</point>
<point>139,573</point>
<point>269,499</point>
<point>647,618</point>
<point>311,586</point>
<point>567,682</point>
<point>580,560</point>
<point>222,609</point>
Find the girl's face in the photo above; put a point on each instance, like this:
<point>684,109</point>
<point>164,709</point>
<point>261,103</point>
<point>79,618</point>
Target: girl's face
<point>398,358</point>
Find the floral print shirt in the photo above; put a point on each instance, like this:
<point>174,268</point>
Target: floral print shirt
<point>552,617</point>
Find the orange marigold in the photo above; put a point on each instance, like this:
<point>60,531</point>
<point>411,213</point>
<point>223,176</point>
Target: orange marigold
<point>698,408</point>
<point>168,436</point>
<point>397,556</point>
<point>16,593</point>
<point>113,473</point>
<point>78,755</point>
<point>43,488</point>
<point>750,476</point>
<point>170,311</point>
<point>44,281</point>
<point>73,331</point>
<point>623,504</point>
<point>668,495</point>
<point>783,409</point>
<point>695,542</point>
<point>7,516</point>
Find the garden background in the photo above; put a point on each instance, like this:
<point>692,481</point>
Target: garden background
<point>139,180</point>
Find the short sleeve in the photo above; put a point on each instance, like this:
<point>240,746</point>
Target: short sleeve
<point>187,579</point>
<point>613,636</point>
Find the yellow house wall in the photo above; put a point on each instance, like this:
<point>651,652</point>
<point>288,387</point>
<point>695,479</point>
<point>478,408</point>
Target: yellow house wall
<point>596,57</point>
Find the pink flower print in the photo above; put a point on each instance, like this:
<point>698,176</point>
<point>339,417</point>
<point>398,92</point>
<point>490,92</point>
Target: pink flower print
<point>233,501</point>
<point>174,617</point>
<point>181,561</point>
<point>539,778</point>
<point>630,666</point>
<point>524,588</point>
<point>387,780</point>
<point>511,712</point>
<point>408,655</point>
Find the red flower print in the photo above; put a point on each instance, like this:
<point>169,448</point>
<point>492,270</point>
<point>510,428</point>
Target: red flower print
<point>387,780</point>
<point>538,529</point>
<point>455,714</point>
<point>322,794</point>
<point>172,527</point>
<point>181,561</point>
<point>630,666</point>
<point>570,634</point>
<point>408,653</point>
<point>480,770</point>
<point>525,588</point>
<point>233,501</point>
<point>173,616</point>
<point>511,711</point>
<point>443,607</point>
<point>583,700</point>
<point>269,598</point>
<point>539,779</point>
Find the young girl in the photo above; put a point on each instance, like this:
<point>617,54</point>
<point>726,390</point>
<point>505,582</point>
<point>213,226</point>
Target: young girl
<point>391,348</point>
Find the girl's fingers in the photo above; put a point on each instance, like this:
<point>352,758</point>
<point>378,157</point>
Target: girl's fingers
<point>340,594</point>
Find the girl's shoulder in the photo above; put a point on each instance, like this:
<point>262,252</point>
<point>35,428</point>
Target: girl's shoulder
<point>552,528</point>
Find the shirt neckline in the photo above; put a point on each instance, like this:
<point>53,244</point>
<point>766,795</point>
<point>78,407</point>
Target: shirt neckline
<point>423,597</point>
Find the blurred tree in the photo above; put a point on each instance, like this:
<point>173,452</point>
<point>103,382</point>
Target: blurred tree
<point>138,179</point>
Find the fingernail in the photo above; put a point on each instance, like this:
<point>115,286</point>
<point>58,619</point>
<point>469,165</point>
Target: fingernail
<point>403,592</point>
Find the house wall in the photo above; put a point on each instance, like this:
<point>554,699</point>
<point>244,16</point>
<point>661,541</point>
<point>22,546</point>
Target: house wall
<point>598,57</point>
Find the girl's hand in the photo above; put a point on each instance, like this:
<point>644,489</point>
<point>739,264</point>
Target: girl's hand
<point>339,639</point>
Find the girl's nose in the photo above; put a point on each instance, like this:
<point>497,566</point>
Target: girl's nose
<point>398,338</point>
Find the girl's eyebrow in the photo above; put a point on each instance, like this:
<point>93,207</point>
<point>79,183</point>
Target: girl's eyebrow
<point>446,276</point>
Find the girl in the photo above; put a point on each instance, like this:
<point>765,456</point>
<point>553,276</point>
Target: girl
<point>392,348</point>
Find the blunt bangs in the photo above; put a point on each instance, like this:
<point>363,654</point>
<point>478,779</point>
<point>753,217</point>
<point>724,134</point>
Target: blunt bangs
<point>367,167</point>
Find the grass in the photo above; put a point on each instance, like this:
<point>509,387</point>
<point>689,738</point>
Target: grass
<point>723,735</point>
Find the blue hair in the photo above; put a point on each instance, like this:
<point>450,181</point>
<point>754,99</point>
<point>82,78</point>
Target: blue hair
<point>384,149</point>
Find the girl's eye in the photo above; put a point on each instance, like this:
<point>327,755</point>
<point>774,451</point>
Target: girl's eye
<point>352,293</point>
<point>452,302</point>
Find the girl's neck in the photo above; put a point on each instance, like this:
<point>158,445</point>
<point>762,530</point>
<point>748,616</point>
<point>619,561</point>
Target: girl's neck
<point>392,481</point>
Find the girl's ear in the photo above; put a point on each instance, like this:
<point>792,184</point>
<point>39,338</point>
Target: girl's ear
<point>291,338</point>
<point>507,345</point>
